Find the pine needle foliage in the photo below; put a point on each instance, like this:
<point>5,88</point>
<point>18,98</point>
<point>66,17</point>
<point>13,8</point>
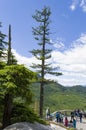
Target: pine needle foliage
<point>3,44</point>
<point>41,35</point>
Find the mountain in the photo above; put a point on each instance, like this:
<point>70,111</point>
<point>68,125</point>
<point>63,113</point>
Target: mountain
<point>58,97</point>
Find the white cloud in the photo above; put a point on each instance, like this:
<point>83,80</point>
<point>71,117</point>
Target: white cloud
<point>72,7</point>
<point>58,43</point>
<point>81,3</point>
<point>72,63</point>
<point>24,60</point>
<point>74,4</point>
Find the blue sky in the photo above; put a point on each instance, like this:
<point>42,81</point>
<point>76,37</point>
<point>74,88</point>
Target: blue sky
<point>68,28</point>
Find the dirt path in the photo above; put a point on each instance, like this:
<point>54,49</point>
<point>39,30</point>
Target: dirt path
<point>81,126</point>
<point>56,127</point>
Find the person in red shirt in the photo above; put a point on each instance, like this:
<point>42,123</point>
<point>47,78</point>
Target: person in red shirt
<point>66,122</point>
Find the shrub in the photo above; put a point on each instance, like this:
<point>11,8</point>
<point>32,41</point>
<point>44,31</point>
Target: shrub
<point>22,113</point>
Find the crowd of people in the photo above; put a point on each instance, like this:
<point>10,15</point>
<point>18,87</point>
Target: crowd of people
<point>75,116</point>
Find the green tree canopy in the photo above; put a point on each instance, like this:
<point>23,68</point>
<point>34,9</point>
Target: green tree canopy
<point>16,79</point>
<point>14,83</point>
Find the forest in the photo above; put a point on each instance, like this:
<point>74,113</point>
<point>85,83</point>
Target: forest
<point>25,94</point>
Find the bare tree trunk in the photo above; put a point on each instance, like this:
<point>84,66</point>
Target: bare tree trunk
<point>7,110</point>
<point>41,99</point>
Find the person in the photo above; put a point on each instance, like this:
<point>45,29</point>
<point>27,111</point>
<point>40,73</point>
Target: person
<point>57,116</point>
<point>47,113</point>
<point>61,117</point>
<point>80,115</point>
<point>74,123</point>
<point>72,115</point>
<point>71,124</point>
<point>66,122</point>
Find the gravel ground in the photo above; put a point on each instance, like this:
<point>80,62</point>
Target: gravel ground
<point>56,127</point>
<point>81,126</point>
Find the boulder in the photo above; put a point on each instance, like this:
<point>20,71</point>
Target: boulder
<point>28,126</point>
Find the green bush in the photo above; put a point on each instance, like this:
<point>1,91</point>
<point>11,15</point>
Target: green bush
<point>22,113</point>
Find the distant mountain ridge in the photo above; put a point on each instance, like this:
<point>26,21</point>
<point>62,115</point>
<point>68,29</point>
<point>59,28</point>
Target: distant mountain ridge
<point>58,97</point>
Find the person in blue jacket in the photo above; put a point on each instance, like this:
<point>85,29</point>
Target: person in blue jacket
<point>57,116</point>
<point>74,123</point>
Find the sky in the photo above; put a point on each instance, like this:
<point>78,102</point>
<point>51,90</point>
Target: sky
<point>68,35</point>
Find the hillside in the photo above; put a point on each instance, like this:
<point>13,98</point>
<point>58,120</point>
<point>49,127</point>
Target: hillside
<point>58,97</point>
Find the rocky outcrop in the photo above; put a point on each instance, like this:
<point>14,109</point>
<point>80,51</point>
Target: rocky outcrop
<point>28,126</point>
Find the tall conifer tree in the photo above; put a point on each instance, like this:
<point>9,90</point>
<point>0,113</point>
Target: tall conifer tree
<point>41,34</point>
<point>10,57</point>
<point>3,44</point>
<point>9,47</point>
<point>8,96</point>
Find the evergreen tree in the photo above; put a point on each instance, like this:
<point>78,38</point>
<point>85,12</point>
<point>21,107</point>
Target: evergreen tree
<point>9,47</point>
<point>8,98</point>
<point>15,81</point>
<point>41,34</point>
<point>10,57</point>
<point>3,44</point>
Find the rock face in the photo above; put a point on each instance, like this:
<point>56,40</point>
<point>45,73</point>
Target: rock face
<point>27,126</point>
